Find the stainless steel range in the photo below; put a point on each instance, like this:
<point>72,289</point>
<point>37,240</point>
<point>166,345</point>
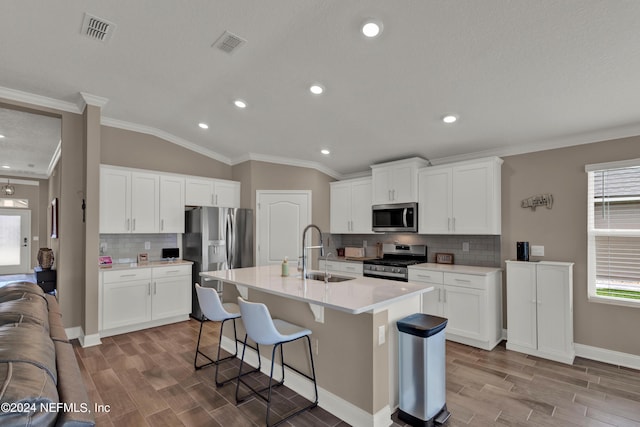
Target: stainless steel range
<point>394,264</point>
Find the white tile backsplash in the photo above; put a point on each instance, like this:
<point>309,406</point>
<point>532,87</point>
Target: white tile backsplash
<point>126,247</point>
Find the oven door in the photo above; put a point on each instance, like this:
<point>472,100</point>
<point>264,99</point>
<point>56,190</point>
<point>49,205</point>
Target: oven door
<point>401,217</point>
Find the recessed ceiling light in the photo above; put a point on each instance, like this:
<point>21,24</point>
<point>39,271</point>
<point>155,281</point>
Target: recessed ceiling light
<point>316,89</point>
<point>325,151</point>
<point>1,136</point>
<point>372,28</point>
<point>203,125</point>
<point>240,103</point>
<point>450,118</point>
<point>6,167</point>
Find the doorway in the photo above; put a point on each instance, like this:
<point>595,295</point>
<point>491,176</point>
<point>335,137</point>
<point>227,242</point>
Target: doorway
<point>15,238</point>
<point>281,217</point>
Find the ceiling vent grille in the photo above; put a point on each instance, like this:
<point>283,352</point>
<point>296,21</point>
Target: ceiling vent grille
<point>97,28</point>
<point>229,42</point>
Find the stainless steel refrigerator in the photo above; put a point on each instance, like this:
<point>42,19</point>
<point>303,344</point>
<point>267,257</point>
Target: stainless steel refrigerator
<point>216,239</point>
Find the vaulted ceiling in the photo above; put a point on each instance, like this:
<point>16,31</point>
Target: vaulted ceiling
<point>520,75</point>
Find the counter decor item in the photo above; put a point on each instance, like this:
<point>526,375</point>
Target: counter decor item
<point>444,258</point>
<point>45,258</point>
<point>143,258</point>
<point>105,260</point>
<point>340,252</point>
<point>522,251</point>
<point>285,267</point>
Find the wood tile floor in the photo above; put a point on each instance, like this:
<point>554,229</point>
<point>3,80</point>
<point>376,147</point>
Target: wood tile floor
<point>147,378</point>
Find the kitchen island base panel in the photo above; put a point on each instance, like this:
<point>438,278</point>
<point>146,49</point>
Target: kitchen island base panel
<point>354,372</point>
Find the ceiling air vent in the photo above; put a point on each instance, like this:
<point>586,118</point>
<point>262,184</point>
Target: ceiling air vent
<point>229,42</point>
<point>97,28</point>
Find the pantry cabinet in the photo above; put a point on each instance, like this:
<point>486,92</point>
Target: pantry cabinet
<point>540,309</point>
<point>212,192</point>
<point>350,210</point>
<point>471,301</point>
<point>396,182</point>
<point>460,198</point>
<point>138,298</point>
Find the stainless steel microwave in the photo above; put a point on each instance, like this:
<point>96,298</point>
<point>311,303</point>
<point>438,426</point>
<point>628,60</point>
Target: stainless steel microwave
<point>397,218</point>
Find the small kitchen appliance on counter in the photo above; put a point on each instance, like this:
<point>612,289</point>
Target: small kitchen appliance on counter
<point>395,261</point>
<point>522,249</point>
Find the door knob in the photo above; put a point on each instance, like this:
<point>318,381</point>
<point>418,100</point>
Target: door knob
<point>25,242</point>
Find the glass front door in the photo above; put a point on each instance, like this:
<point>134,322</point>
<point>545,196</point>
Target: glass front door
<point>15,237</point>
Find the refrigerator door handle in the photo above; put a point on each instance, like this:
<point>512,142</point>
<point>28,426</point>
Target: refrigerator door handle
<point>230,239</point>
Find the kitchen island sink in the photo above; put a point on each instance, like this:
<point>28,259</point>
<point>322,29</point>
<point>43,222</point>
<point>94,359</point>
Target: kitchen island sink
<point>331,277</point>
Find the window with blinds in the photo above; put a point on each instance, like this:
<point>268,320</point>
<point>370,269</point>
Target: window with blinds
<point>614,232</point>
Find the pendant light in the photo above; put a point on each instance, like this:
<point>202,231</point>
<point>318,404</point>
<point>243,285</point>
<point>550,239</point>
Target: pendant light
<point>8,190</point>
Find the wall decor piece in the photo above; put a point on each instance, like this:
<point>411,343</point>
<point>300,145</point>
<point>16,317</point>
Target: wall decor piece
<point>54,218</point>
<point>539,200</point>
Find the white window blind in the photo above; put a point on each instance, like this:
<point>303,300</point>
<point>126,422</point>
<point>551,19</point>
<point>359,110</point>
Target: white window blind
<point>614,232</point>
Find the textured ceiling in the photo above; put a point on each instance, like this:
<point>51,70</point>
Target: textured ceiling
<point>522,75</point>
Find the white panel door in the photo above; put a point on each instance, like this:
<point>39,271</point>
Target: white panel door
<point>15,238</point>
<point>145,192</point>
<point>382,182</point>
<point>403,185</point>
<point>226,194</point>
<point>521,304</point>
<point>471,199</point>
<point>281,218</point>
<point>464,307</point>
<point>171,204</point>
<point>199,192</point>
<point>554,315</point>
<point>340,214</point>
<point>171,296</point>
<point>126,303</point>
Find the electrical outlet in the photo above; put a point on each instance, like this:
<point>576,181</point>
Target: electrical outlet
<point>465,246</point>
<point>537,250</point>
<point>381,334</point>
<point>147,245</point>
<point>364,243</point>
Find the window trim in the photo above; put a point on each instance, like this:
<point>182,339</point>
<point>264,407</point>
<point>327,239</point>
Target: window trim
<point>592,233</point>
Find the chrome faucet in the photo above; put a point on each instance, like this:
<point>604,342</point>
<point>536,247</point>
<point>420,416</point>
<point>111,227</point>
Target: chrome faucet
<point>304,248</point>
<point>327,275</point>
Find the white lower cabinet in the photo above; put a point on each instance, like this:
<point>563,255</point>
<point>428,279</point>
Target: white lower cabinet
<point>540,309</point>
<point>138,298</point>
<point>353,268</point>
<point>472,303</point>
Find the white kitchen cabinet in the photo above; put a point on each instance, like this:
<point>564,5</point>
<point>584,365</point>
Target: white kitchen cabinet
<point>212,192</point>
<point>171,204</point>
<point>126,297</point>
<point>472,303</point>
<point>350,268</point>
<point>171,294</point>
<point>138,298</point>
<point>396,182</point>
<point>540,309</point>
<point>350,210</point>
<point>129,201</point>
<point>461,198</point>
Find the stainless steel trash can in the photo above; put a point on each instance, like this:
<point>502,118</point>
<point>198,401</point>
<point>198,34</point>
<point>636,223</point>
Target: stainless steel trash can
<point>421,354</point>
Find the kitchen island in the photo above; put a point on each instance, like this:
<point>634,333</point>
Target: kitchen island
<point>354,334</point>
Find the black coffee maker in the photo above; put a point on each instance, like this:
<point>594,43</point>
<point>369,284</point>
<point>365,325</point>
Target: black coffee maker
<point>522,250</point>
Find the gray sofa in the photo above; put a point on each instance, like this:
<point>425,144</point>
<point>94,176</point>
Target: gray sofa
<point>40,380</point>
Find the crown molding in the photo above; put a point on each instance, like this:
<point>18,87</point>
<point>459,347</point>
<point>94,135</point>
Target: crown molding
<point>4,176</point>
<point>55,158</point>
<point>93,100</point>
<point>287,161</point>
<point>39,100</point>
<point>121,124</point>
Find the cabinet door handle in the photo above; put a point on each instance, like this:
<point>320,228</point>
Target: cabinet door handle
<point>128,224</point>
<point>448,224</point>
<point>216,200</point>
<point>393,194</point>
<point>454,224</point>
<point>149,288</point>
<point>155,290</point>
<point>439,294</point>
<point>134,225</point>
<point>213,200</point>
<point>389,196</point>
<point>162,225</point>
<point>445,295</point>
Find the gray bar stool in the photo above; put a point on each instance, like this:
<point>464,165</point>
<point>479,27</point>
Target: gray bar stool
<point>264,330</point>
<point>213,309</point>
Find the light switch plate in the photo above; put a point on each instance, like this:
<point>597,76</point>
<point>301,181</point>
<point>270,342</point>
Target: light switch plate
<point>381,333</point>
<point>537,250</point>
<point>465,246</point>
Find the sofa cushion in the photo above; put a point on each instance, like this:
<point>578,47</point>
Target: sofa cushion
<point>31,309</point>
<point>22,286</point>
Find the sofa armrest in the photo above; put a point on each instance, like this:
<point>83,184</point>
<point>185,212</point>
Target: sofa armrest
<point>71,388</point>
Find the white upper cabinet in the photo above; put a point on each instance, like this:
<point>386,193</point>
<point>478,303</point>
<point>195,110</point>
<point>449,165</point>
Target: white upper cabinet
<point>115,200</point>
<point>171,204</point>
<point>351,206</point>
<point>460,198</point>
<point>212,192</point>
<point>396,182</point>
<point>129,201</point>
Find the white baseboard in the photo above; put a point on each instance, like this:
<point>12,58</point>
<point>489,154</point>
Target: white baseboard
<point>328,401</point>
<point>74,332</point>
<point>145,325</point>
<point>608,356</point>
<point>89,340</point>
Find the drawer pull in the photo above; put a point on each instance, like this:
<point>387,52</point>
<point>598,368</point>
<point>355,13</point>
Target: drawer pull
<point>424,276</point>
<point>463,280</point>
<point>128,275</point>
<point>173,271</point>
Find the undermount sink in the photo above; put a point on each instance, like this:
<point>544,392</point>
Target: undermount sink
<point>331,278</point>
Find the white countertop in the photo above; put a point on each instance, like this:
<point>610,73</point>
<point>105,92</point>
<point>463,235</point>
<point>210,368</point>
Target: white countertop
<point>127,266</point>
<point>360,295</point>
<point>454,268</point>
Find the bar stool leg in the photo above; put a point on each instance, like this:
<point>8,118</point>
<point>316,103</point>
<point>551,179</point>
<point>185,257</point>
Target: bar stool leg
<point>235,338</point>
<point>241,374</point>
